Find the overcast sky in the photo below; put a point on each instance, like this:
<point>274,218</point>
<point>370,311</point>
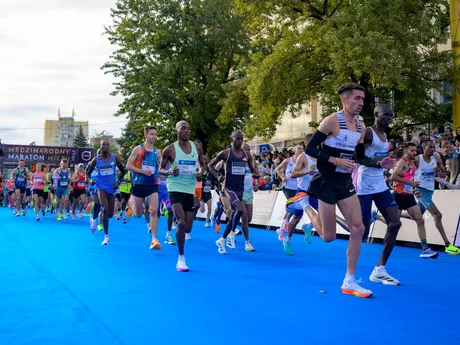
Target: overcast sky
<point>51,54</point>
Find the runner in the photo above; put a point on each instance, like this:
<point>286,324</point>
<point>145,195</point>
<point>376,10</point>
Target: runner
<point>38,180</point>
<point>21,175</point>
<point>340,136</point>
<point>79,190</point>
<point>404,185</point>
<point>143,162</point>
<point>62,189</point>
<point>427,165</point>
<point>236,160</point>
<point>106,183</point>
<point>163,198</point>
<point>372,187</point>
<point>125,193</point>
<point>182,156</point>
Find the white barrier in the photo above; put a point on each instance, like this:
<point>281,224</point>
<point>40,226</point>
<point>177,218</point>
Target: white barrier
<point>269,210</point>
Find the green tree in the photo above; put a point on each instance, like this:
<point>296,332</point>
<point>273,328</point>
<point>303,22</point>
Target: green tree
<point>80,139</point>
<point>98,137</point>
<point>307,48</point>
<point>172,62</point>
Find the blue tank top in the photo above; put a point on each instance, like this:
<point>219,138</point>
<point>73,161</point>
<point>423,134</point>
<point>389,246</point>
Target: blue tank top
<point>235,171</point>
<point>106,174</point>
<point>149,161</point>
<point>94,178</point>
<point>64,181</point>
<point>20,178</point>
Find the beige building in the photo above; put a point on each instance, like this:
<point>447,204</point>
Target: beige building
<point>61,132</point>
<point>291,130</point>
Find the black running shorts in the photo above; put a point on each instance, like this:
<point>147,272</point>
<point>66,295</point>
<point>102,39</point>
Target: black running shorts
<point>331,190</point>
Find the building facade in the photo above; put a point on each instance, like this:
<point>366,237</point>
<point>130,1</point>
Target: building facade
<point>61,132</point>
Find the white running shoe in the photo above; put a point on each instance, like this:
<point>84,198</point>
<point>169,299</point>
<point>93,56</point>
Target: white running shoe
<point>188,237</point>
<point>352,288</point>
<point>248,247</point>
<point>80,215</point>
<point>231,241</point>
<point>93,224</point>
<point>106,240</point>
<point>174,226</point>
<point>206,224</point>
<point>181,265</point>
<point>380,275</point>
<point>73,217</point>
<point>221,246</point>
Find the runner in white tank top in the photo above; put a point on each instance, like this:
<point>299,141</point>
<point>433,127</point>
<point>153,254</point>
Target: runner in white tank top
<point>427,165</point>
<point>372,187</point>
<point>340,136</point>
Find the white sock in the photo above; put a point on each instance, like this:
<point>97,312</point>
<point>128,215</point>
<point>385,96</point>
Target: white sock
<point>349,278</point>
<point>380,268</point>
<point>168,233</point>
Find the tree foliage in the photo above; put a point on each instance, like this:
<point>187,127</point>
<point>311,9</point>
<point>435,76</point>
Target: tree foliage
<point>80,139</point>
<point>308,48</point>
<point>172,62</point>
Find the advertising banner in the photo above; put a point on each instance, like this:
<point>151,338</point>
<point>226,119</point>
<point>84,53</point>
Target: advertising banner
<point>51,155</point>
<point>264,201</point>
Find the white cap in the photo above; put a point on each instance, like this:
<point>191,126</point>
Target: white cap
<point>80,165</point>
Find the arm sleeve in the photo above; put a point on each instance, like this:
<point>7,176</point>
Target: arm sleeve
<point>361,158</point>
<point>312,147</point>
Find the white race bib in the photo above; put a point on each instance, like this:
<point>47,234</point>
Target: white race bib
<point>148,166</point>
<point>238,168</point>
<point>344,156</point>
<point>207,189</point>
<point>408,188</point>
<point>81,184</point>
<point>63,184</point>
<point>106,170</point>
<point>21,179</point>
<point>38,179</point>
<point>187,167</point>
<point>428,177</point>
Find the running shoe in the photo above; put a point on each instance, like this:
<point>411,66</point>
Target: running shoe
<point>218,228</point>
<point>181,265</point>
<point>37,218</point>
<point>287,245</point>
<point>220,243</point>
<point>428,254</point>
<point>155,244</point>
<point>188,237</point>
<point>285,225</point>
<point>280,233</point>
<point>352,288</point>
<point>452,250</point>
<point>307,228</point>
<point>231,241</point>
<point>100,227</point>
<point>106,240</point>
<point>248,247</point>
<point>169,240</point>
<point>206,224</point>
<point>380,275</point>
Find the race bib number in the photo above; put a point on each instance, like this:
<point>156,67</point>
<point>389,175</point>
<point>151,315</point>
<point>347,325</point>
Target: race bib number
<point>428,176</point>
<point>63,184</point>
<point>106,170</point>
<point>207,189</point>
<point>148,166</point>
<point>187,167</point>
<point>38,179</point>
<point>408,189</point>
<point>344,156</point>
<point>380,155</point>
<point>238,168</point>
<point>81,184</point>
<point>21,179</point>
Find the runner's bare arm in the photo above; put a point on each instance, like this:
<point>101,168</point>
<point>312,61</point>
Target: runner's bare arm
<point>201,159</point>
<point>166,158</point>
<point>399,169</point>
<point>223,155</point>
<point>253,167</point>
<point>132,159</point>
<point>300,164</point>
<point>121,167</point>
<point>89,169</point>
<point>439,164</point>
<point>280,169</point>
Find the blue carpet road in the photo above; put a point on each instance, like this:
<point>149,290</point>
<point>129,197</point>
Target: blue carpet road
<point>59,286</point>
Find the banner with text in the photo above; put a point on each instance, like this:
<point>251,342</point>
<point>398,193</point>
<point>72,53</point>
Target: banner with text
<point>51,155</point>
